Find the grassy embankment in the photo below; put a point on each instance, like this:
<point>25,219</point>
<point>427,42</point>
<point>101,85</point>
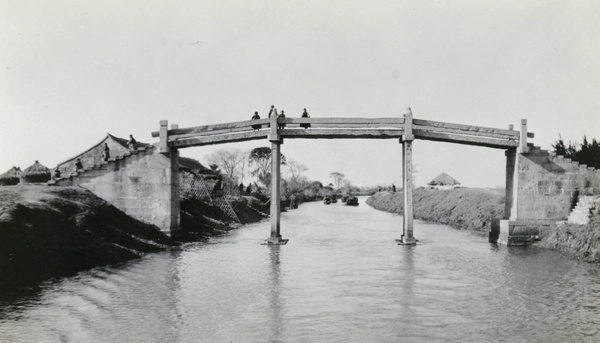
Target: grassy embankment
<point>463,208</point>
<point>474,209</point>
<point>48,232</point>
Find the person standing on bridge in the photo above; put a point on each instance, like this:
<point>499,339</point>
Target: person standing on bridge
<point>105,152</point>
<point>272,111</point>
<point>305,115</point>
<point>132,143</point>
<point>281,125</point>
<point>256,127</point>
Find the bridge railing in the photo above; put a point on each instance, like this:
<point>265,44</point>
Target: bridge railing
<point>378,128</point>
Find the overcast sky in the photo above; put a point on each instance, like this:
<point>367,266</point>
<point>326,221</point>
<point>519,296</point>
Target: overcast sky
<point>72,71</point>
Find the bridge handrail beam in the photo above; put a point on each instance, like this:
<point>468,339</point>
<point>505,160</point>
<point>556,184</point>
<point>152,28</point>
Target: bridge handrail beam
<point>247,124</point>
<point>465,139</point>
<point>346,122</point>
<point>462,127</point>
<point>317,122</point>
<point>342,133</point>
<point>492,134</point>
<point>218,139</point>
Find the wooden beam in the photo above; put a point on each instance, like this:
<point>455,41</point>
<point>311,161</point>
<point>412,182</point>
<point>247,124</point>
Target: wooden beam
<point>341,133</point>
<point>469,128</point>
<point>296,123</point>
<point>462,132</point>
<point>215,127</point>
<point>346,122</point>
<point>464,139</point>
<point>317,122</point>
<point>218,139</point>
<point>212,133</point>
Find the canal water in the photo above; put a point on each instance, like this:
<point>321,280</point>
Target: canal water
<point>341,278</point>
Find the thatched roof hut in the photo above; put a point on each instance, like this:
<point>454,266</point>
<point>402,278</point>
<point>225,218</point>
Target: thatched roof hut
<point>444,181</point>
<point>36,173</point>
<point>11,177</point>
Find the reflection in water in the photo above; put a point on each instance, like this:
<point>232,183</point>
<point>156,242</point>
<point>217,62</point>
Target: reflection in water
<point>341,278</point>
<point>275,299</point>
<point>408,281</point>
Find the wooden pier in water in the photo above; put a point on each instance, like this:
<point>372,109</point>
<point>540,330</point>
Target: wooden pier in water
<point>406,129</point>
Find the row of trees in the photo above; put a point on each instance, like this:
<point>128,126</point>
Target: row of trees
<point>254,168</point>
<point>585,153</point>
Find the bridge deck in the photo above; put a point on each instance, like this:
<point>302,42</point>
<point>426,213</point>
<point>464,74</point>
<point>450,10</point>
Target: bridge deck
<point>343,128</point>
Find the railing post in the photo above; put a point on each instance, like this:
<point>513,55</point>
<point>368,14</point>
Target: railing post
<point>523,148</point>
<point>164,137</point>
<point>407,182</point>
<point>275,139</point>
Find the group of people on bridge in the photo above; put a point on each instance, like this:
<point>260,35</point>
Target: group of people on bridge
<point>281,126</point>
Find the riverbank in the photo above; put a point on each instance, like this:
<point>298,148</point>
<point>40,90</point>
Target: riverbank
<point>474,209</point>
<point>463,208</point>
<point>48,232</point>
<point>582,241</point>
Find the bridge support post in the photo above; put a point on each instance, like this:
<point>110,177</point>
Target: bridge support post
<point>175,194</point>
<point>511,157</point>
<point>407,182</point>
<point>503,230</point>
<point>276,141</point>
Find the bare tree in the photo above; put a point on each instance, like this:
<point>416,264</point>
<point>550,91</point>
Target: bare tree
<point>337,178</point>
<point>296,169</point>
<point>243,164</point>
<point>228,160</point>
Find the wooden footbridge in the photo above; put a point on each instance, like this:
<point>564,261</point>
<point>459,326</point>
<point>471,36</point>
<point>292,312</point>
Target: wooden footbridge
<point>406,129</point>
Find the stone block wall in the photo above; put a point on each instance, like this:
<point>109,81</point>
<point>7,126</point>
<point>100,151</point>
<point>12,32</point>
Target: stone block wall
<point>141,184</point>
<point>549,186</point>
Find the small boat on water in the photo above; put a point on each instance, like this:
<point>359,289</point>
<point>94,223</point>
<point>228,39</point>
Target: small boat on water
<point>327,200</point>
<point>352,201</point>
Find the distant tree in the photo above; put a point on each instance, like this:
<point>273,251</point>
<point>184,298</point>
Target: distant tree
<point>586,153</point>
<point>337,178</point>
<point>260,160</point>
<point>315,185</point>
<point>296,169</point>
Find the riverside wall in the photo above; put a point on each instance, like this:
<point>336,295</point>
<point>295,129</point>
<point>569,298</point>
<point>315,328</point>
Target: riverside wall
<point>143,184</point>
<point>549,186</point>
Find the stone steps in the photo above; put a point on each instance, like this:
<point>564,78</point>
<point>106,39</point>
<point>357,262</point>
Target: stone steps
<point>100,169</point>
<point>582,212</point>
